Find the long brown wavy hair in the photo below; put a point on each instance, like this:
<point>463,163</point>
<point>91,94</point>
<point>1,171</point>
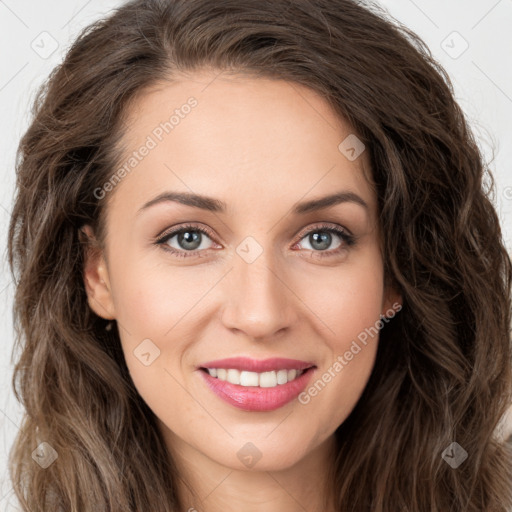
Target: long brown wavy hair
<point>443,369</point>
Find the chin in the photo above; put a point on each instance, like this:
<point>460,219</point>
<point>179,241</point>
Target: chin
<point>260,454</point>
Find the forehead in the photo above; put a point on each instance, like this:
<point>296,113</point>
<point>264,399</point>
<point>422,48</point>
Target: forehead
<point>238,136</point>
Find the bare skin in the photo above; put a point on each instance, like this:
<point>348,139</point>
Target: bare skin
<point>260,146</point>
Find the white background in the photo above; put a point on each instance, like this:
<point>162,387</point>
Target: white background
<point>482,77</point>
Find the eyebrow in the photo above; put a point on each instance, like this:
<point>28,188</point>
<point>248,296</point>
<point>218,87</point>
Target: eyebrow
<point>216,205</point>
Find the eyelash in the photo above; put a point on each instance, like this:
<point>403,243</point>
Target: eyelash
<point>348,240</point>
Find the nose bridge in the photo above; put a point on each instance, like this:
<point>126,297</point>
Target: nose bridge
<point>259,302</point>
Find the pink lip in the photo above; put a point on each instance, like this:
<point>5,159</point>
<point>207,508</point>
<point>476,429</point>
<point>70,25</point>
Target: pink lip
<point>259,366</point>
<point>254,398</point>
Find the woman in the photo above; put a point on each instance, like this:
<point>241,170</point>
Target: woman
<point>257,269</point>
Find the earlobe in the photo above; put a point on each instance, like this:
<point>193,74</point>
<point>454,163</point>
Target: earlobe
<point>95,276</point>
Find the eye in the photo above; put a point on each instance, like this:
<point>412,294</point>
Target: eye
<point>189,239</point>
<point>321,238</point>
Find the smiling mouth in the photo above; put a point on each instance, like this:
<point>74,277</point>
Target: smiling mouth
<point>268,379</point>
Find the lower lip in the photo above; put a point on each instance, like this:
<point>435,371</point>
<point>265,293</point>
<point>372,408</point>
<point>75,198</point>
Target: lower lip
<point>254,398</point>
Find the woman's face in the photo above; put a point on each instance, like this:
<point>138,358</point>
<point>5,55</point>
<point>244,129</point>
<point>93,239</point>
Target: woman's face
<point>268,279</point>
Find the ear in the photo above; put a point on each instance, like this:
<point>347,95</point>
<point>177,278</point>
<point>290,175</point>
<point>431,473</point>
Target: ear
<point>95,275</point>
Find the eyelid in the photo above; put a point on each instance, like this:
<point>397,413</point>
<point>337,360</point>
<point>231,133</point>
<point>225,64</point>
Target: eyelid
<point>322,225</point>
<point>183,227</point>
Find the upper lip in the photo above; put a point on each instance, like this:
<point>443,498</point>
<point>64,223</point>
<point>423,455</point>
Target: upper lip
<point>258,365</point>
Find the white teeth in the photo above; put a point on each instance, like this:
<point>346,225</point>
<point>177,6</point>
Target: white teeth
<point>249,378</point>
<point>264,380</point>
<point>233,376</point>
<point>282,376</point>
<point>268,380</point>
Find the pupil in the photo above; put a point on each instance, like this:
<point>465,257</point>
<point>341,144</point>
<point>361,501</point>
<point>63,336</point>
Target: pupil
<point>189,240</point>
<point>324,240</point>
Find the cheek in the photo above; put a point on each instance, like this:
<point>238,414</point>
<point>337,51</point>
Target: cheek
<point>151,300</point>
<point>159,307</point>
<point>349,307</point>
<point>147,308</point>
<point>152,308</point>
<point>346,300</point>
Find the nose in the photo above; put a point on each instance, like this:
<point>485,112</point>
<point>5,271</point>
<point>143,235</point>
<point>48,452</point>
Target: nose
<point>259,300</point>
